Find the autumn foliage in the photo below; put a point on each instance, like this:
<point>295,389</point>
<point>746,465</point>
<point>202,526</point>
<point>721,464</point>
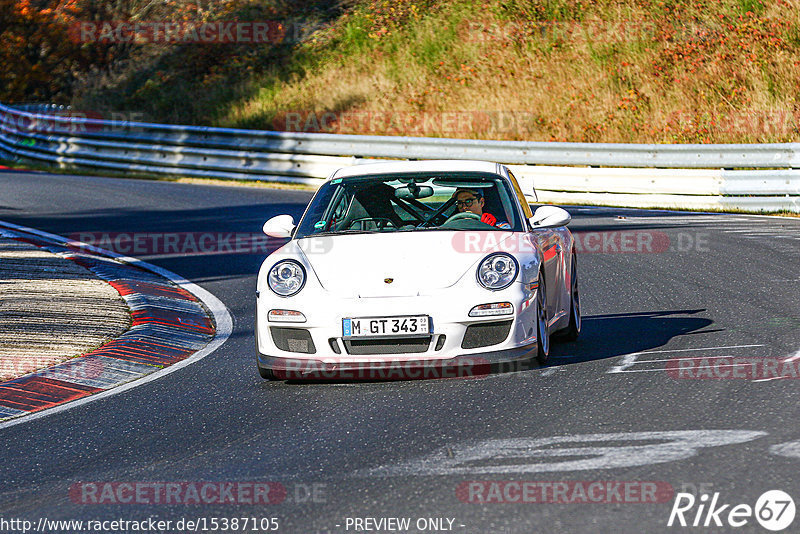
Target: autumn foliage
<point>649,71</point>
<point>37,59</point>
<point>42,59</point>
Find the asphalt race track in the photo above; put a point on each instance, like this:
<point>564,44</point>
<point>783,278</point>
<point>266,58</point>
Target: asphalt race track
<point>623,408</point>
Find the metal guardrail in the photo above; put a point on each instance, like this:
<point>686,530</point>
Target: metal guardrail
<point>646,172</point>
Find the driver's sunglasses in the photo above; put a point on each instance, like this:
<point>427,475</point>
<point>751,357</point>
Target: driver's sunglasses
<point>466,203</point>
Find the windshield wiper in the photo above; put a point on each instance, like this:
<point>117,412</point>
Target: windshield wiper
<point>341,232</point>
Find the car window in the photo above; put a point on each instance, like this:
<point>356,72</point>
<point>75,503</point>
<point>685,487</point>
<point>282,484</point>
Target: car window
<point>526,208</point>
<point>412,202</point>
<point>340,207</point>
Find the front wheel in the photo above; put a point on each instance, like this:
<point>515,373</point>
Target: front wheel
<point>542,336</point>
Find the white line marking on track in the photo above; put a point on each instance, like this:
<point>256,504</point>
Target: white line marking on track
<point>222,318</point>
<point>641,370</point>
<point>701,348</point>
<point>576,453</point>
<point>790,449</point>
<point>792,358</point>
<point>629,360</point>
<point>693,368</point>
<point>795,357</point>
<point>690,358</point>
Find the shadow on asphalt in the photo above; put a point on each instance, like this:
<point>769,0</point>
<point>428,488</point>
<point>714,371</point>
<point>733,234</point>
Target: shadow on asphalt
<point>607,336</point>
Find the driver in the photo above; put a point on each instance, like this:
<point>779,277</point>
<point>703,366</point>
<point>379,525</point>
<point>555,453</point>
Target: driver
<point>469,200</point>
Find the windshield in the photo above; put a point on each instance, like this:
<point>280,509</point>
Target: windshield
<point>411,202</point>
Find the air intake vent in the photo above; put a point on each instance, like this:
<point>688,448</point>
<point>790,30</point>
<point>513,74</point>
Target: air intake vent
<point>387,346</point>
<point>293,339</point>
<point>485,334</point>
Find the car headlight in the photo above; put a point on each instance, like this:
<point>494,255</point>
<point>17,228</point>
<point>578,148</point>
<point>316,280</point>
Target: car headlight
<point>497,271</point>
<point>286,278</point>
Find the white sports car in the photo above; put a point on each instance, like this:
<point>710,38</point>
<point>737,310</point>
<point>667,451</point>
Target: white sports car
<point>401,266</point>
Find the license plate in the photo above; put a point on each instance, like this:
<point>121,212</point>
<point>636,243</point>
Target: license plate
<point>412,325</point>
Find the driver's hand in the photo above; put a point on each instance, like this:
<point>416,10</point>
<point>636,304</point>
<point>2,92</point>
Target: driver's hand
<point>488,218</point>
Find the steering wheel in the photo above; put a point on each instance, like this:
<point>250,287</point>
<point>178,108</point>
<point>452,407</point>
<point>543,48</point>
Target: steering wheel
<point>463,215</point>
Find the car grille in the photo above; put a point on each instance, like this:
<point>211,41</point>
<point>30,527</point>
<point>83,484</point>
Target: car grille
<point>485,334</point>
<point>387,346</point>
<point>293,339</point>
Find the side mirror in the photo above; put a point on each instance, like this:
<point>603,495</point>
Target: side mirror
<point>279,226</point>
<point>550,217</point>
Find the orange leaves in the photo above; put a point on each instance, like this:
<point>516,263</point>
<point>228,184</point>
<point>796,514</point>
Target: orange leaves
<point>36,51</point>
<point>706,46</point>
<point>388,16</point>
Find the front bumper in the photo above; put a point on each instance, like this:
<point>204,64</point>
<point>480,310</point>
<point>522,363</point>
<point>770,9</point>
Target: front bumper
<point>473,365</point>
<point>448,309</point>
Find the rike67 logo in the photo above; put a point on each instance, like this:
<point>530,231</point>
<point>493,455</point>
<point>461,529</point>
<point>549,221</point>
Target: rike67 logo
<point>774,510</point>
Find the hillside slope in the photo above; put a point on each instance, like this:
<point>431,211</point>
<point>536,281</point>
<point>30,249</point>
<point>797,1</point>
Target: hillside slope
<point>669,71</point>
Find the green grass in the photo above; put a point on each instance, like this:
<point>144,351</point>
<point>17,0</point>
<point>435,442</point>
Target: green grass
<point>682,71</point>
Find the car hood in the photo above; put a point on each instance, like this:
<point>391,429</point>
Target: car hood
<point>360,265</point>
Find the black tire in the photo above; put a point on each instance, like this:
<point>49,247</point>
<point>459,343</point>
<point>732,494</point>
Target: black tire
<point>542,335</point>
<point>571,332</point>
<point>267,374</point>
